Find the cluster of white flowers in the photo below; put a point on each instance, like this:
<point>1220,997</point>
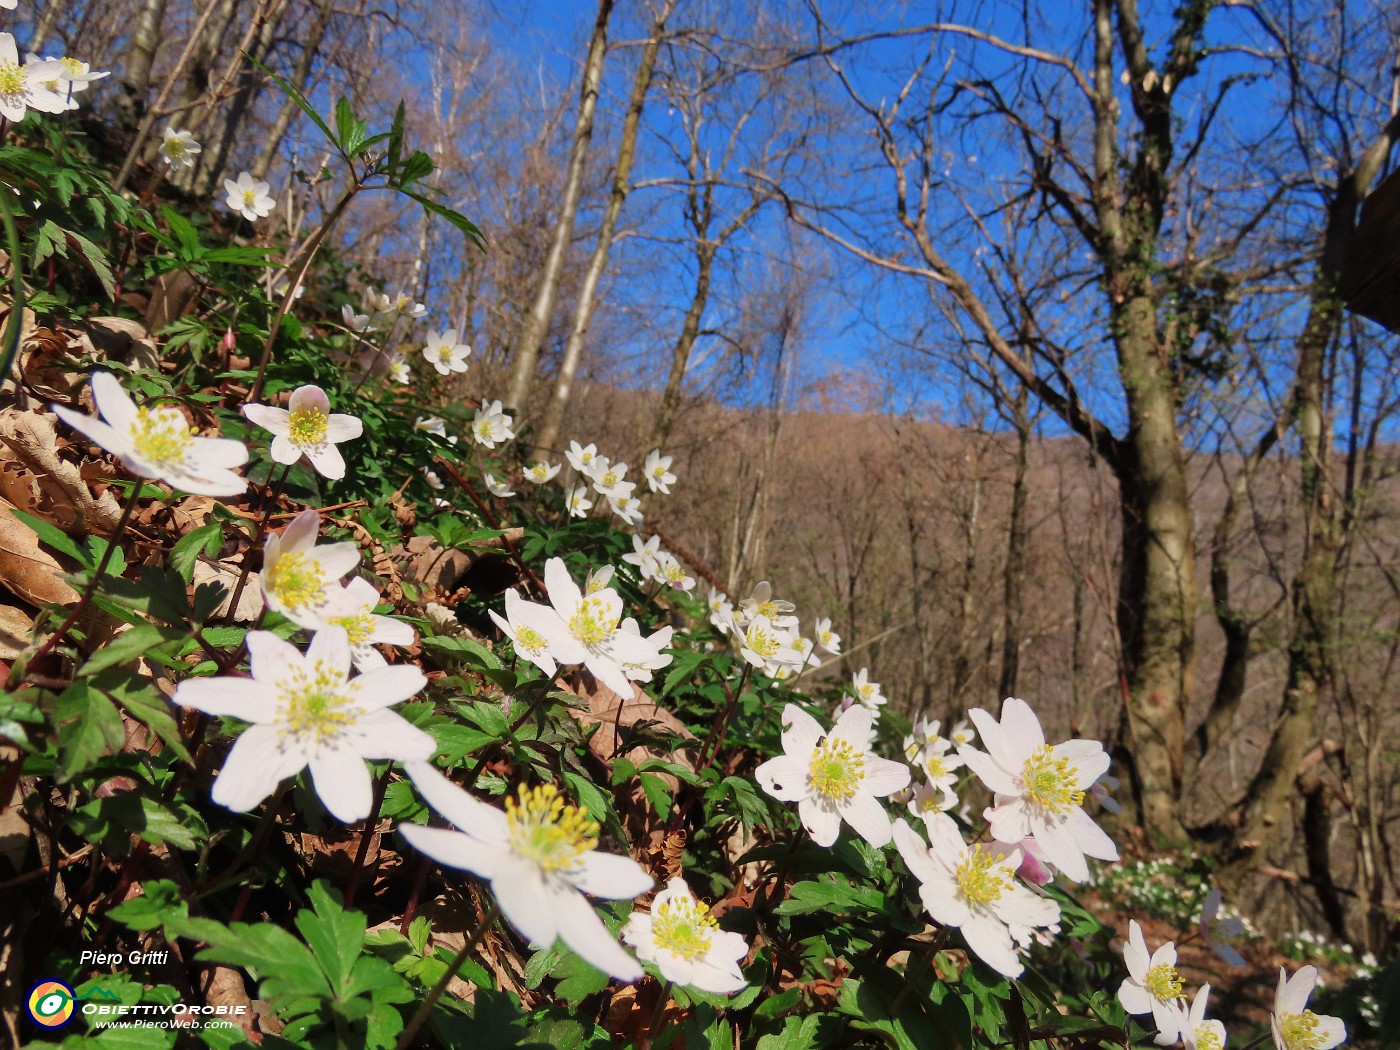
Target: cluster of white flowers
<point>653,563</point>
<point>45,85</point>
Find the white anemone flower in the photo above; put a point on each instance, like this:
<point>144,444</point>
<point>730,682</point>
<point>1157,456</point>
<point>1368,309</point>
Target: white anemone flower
<point>540,471</point>
<point>581,457</point>
<point>641,670</point>
<point>762,603</point>
<point>445,354</point>
<point>357,323</point>
<point>833,776</point>
<point>249,197</point>
<point>491,426</point>
<point>1040,788</point>
<point>683,940</point>
<point>827,638</point>
<point>646,556</point>
<point>767,647</point>
<point>937,794</point>
<point>609,479</point>
<point>974,889</point>
<point>1153,985</point>
<point>25,87</point>
<point>432,425</point>
<point>307,711</point>
<point>579,504</point>
<point>672,573</point>
<point>628,508</point>
<point>300,579</point>
<point>1293,1025</point>
<point>1201,1032</point>
<point>868,693</point>
<point>540,857</point>
<point>499,489</point>
<point>158,442</point>
<point>352,610</point>
<point>75,76</point>
<point>307,427</point>
<point>658,472</point>
<point>390,307</point>
<point>962,734</point>
<point>588,630</point>
<point>526,624</point>
<point>179,149</point>
<point>398,369</point>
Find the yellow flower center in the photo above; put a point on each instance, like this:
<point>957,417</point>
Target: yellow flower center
<point>296,580</point>
<point>71,66</point>
<point>546,830</point>
<point>683,926</point>
<point>979,878</point>
<point>866,691</point>
<point>610,479</point>
<point>444,352</point>
<point>1299,1031</point>
<point>836,769</point>
<point>593,622</point>
<point>539,471</point>
<point>249,196</point>
<point>1164,983</point>
<point>675,573</point>
<point>359,628</point>
<point>482,429</point>
<point>768,609</point>
<point>161,436</point>
<point>313,706</point>
<point>12,79</point>
<point>307,426</point>
<point>763,642</point>
<point>530,640</point>
<point>825,637</point>
<point>936,767</point>
<point>1208,1038</point>
<point>658,471</point>
<point>1050,781</point>
<point>174,148</point>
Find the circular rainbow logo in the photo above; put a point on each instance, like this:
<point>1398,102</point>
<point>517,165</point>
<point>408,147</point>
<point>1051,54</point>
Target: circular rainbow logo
<point>51,1003</point>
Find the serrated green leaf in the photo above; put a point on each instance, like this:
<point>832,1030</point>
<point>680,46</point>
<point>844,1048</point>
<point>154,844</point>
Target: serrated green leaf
<point>205,540</point>
<point>88,725</point>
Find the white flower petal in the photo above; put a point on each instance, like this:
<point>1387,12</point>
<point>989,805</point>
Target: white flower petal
<point>867,817</point>
<point>1135,998</point>
<point>342,782</point>
<point>238,697</point>
<point>582,930</point>
<point>387,686</point>
<point>991,940</point>
<point>256,764</point>
<point>611,877</point>
<point>784,777</point>
<point>883,777</point>
<point>330,647</point>
<point>822,823</point>
<point>477,819</point>
<point>521,893</point>
<point>800,732</point>
<point>270,417</point>
<point>327,460</point>
<point>343,428</point>
<point>283,451</point>
<point>384,734</point>
<point>453,849</point>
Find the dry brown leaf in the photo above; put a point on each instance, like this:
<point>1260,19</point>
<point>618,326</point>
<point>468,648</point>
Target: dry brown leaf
<point>616,713</point>
<point>16,630</point>
<point>26,568</point>
<point>55,487</point>
<point>250,603</point>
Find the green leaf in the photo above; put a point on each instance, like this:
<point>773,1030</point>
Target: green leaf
<point>88,725</point>
<point>129,645</point>
<point>458,220</point>
<point>205,540</point>
<point>799,1033</point>
<point>335,935</point>
<point>52,536</point>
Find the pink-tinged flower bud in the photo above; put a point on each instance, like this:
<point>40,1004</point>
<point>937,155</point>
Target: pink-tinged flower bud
<point>1034,868</point>
<point>230,344</point>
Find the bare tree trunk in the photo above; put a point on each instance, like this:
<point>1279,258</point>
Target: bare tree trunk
<point>300,78</point>
<point>685,342</point>
<point>1017,536</point>
<point>1315,623</point>
<point>261,36</point>
<point>621,184</point>
<point>967,605</point>
<point>136,69</point>
<point>527,353</point>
